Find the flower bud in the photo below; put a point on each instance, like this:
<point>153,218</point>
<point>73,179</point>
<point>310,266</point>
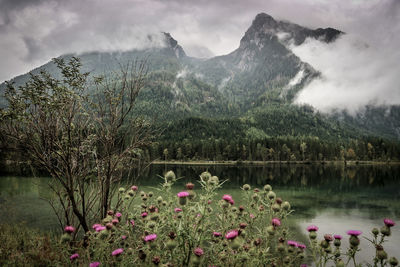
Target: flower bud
<point>313,235</point>
<point>151,194</point>
<point>271,195</point>
<point>354,241</point>
<point>393,261</point>
<point>246,187</point>
<point>159,200</point>
<point>286,260</point>
<point>385,230</point>
<point>337,242</point>
<point>170,176</point>
<point>286,206</point>
<point>270,230</point>
<point>171,244</point>
<point>121,190</point>
<point>275,207</point>
<point>267,187</point>
<point>375,232</point>
<point>65,238</point>
<point>324,244</point>
<point>381,254</point>
<point>205,176</point>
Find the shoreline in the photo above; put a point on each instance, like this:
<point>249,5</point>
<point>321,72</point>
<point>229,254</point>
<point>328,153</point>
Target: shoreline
<point>277,162</point>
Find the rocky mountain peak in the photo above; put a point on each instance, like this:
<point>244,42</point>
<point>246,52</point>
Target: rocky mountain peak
<point>265,27</point>
<point>173,44</point>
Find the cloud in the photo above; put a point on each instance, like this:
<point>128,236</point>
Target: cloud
<point>361,68</point>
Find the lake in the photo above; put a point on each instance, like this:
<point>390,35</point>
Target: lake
<point>337,198</point>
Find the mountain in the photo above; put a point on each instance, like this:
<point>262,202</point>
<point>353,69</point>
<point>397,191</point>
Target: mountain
<point>252,87</point>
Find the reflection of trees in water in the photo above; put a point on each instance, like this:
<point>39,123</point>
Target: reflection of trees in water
<point>345,178</point>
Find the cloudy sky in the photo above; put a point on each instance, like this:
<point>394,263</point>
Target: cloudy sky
<point>362,66</point>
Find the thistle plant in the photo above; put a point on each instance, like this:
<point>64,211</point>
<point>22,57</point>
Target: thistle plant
<point>324,254</point>
<point>201,225</point>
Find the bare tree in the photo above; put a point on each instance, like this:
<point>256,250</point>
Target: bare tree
<point>85,142</point>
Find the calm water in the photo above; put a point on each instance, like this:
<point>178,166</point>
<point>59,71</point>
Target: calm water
<point>336,198</point>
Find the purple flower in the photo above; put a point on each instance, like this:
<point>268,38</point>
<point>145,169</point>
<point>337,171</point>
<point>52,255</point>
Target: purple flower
<point>114,221</point>
<point>177,210</point>
<point>292,243</point>
<point>228,198</point>
<point>354,232</point>
<point>96,225</point>
<point>132,222</point>
<point>100,228</point>
<point>94,264</point>
<point>217,234</point>
<point>74,256</point>
<point>151,237</point>
<point>312,228</point>
<point>144,215</point>
<point>134,188</point>
<point>69,229</point>
<point>337,237</point>
<point>182,194</point>
<point>198,251</point>
<point>231,234</point>
<point>252,215</point>
<point>276,222</point>
<point>301,246</point>
<point>123,237</point>
<point>389,222</point>
<point>117,252</point>
<point>118,214</point>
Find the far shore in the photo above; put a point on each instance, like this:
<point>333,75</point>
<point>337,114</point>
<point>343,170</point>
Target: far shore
<point>273,162</point>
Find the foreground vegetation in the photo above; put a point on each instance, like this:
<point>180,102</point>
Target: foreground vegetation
<point>192,229</point>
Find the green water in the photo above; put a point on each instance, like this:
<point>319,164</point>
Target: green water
<point>336,198</point>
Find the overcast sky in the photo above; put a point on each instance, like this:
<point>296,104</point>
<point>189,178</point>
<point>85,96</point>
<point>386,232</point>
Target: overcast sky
<point>34,31</point>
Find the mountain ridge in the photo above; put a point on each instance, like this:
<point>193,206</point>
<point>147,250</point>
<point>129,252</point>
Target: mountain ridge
<point>261,75</point>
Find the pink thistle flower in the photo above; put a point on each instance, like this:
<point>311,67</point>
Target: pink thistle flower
<point>276,222</point>
<point>123,237</point>
<point>328,237</point>
<point>337,237</point>
<point>217,234</point>
<point>151,237</point>
<point>292,243</point>
<point>117,252</point>
<point>114,221</point>
<point>198,215</point>
<point>209,202</point>
<point>389,222</point>
<point>231,234</point>
<point>312,228</point>
<point>228,198</point>
<point>144,214</point>
<point>132,222</point>
<point>177,210</point>
<point>198,251</point>
<point>100,228</point>
<point>301,246</point>
<point>69,229</point>
<point>94,264</point>
<point>252,215</point>
<point>182,194</point>
<point>354,232</point>
<point>134,188</point>
<point>96,225</point>
<point>74,256</point>
<point>118,214</point>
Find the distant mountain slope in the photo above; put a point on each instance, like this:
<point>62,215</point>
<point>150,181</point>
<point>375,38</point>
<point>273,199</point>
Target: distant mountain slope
<point>251,87</point>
